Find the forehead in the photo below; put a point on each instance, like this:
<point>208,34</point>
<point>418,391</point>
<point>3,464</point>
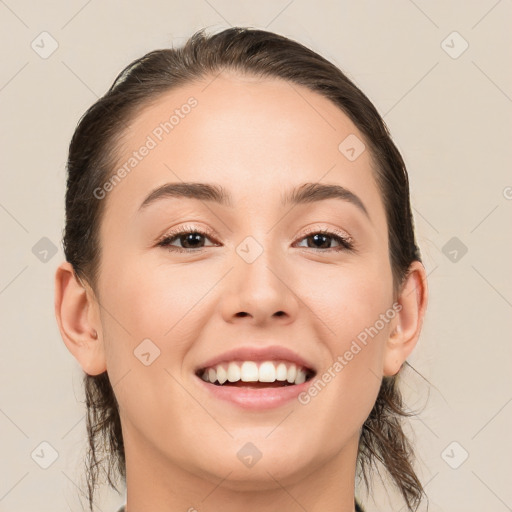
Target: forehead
<point>255,137</point>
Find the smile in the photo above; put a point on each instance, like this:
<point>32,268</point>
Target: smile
<point>254,374</point>
<point>254,385</point>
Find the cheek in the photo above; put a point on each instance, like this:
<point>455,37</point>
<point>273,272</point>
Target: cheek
<point>345,306</point>
<point>151,301</point>
<point>149,316</point>
<point>150,297</point>
<point>348,299</point>
<point>354,310</point>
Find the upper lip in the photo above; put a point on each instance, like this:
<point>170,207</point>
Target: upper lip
<point>258,354</point>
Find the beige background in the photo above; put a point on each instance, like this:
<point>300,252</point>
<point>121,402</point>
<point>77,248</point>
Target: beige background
<point>449,116</point>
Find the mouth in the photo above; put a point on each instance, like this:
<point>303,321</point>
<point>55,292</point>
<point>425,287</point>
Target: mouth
<point>256,375</point>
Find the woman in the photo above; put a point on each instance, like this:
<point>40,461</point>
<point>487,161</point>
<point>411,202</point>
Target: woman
<point>242,284</point>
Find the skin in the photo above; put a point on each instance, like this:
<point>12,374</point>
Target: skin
<point>257,138</point>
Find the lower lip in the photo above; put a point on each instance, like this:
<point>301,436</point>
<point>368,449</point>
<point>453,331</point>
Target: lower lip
<point>256,398</point>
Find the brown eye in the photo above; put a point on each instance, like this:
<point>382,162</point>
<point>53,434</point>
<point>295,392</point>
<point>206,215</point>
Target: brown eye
<point>191,240</point>
<point>322,240</point>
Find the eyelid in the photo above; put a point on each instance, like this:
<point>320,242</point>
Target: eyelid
<point>172,232</point>
<point>330,230</point>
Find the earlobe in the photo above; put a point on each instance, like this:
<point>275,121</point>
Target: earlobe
<point>78,320</point>
<point>403,338</point>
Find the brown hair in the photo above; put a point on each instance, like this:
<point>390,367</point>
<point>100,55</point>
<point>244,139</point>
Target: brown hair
<point>92,159</point>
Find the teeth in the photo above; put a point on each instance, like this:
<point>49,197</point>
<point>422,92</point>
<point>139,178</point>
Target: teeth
<point>267,372</point>
<point>233,373</point>
<point>249,371</point>
<point>301,377</point>
<point>222,375</point>
<point>291,374</point>
<point>281,372</point>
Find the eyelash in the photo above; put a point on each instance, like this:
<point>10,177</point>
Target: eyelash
<point>346,243</point>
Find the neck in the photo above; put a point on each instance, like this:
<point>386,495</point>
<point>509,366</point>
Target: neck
<point>157,483</point>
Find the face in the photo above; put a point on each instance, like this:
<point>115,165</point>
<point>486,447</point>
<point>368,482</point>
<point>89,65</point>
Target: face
<point>288,281</point>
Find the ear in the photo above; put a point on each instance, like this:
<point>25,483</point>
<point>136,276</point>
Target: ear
<point>413,299</point>
<point>78,319</point>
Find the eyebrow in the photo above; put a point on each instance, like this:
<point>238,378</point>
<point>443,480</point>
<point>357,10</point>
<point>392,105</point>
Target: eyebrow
<point>305,193</point>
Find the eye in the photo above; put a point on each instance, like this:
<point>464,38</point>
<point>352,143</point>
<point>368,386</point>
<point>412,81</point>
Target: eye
<point>191,240</point>
<point>189,236</point>
<point>322,240</point>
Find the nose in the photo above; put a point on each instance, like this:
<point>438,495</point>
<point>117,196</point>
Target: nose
<point>259,291</point>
